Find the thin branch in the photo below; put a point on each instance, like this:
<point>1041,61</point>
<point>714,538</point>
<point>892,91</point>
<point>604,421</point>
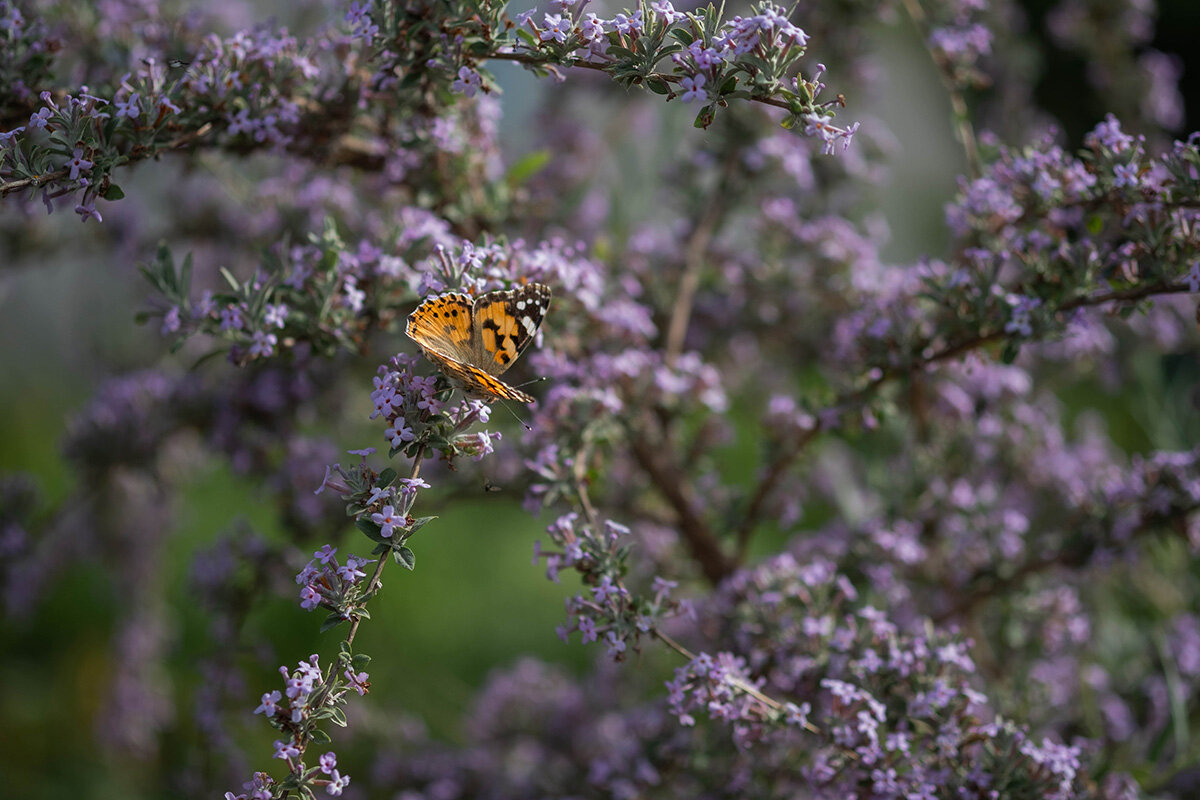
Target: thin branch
<point>138,153</point>
<point>775,472</point>
<point>693,259</point>
<point>701,540</point>
<point>373,584</point>
<point>528,58</point>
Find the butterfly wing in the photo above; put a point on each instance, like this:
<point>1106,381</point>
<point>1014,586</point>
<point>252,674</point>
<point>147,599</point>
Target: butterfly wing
<point>442,325</point>
<point>475,382</point>
<point>504,323</point>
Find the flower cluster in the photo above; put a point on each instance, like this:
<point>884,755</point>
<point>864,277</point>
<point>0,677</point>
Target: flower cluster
<point>607,612</point>
<point>312,696</point>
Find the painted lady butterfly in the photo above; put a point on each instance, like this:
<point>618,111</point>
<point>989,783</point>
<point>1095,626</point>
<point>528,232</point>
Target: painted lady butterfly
<point>473,340</point>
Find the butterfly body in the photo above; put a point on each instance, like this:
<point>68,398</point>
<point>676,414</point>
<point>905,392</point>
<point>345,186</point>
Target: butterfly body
<point>474,340</point>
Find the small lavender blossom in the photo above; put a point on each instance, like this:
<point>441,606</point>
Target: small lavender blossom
<point>557,28</point>
<point>77,163</point>
<point>263,344</point>
<point>270,703</point>
<point>130,108</point>
<point>387,520</point>
<point>468,82</point>
<point>693,87</point>
<point>286,750</point>
<point>337,783</point>
<point>275,315</point>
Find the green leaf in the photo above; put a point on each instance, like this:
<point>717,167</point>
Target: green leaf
<point>705,117</point>
<point>338,717</point>
<point>683,35</point>
<point>318,736</point>
<point>1011,349</point>
<point>418,523</point>
<point>369,528</point>
<point>658,86</point>
<point>332,621</point>
<point>113,192</point>
<point>184,284</point>
<point>527,166</point>
<point>405,556</point>
<point>228,276</point>
<point>386,478</point>
<point>360,661</point>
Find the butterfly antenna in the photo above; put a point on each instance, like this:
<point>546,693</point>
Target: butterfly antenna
<point>524,424</point>
<point>539,380</point>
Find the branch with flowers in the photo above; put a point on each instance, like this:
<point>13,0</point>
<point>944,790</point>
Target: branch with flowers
<point>273,92</point>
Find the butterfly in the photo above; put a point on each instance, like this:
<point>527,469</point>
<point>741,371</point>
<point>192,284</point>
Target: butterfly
<point>474,340</point>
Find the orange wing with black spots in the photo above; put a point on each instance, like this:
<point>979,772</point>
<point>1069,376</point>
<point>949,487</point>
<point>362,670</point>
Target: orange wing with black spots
<point>505,323</point>
<point>473,342</point>
<point>443,324</point>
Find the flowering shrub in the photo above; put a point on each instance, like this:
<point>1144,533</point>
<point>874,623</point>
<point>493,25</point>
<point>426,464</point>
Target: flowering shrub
<point>836,525</point>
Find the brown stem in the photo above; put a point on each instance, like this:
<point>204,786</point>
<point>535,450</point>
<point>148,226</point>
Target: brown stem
<point>701,540</point>
<point>775,472</point>
<point>693,259</point>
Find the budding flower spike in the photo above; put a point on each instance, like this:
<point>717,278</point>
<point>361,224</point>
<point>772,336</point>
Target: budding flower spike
<point>474,340</point>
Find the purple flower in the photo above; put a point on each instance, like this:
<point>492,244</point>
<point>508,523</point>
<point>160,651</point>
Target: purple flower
<point>129,108</point>
<point>286,750</point>
<point>78,163</point>
<point>411,485</point>
<point>1108,135</point>
<point>231,318</point>
<point>1125,175</point>
<point>587,630</point>
<point>468,82</point>
<point>269,704</point>
<point>349,572</point>
<point>327,762</point>
<point>387,520</point>
<point>263,344</point>
<point>591,28</point>
<point>358,681</point>
<point>171,322</point>
<point>557,28</point>
<point>627,24</point>
<point>274,315</point>
<point>1193,278</point>
<point>310,598</point>
<point>399,433</point>
<point>88,211</point>
<point>337,783</point>
<point>38,119</point>
<point>666,10</point>
<point>693,87</point>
